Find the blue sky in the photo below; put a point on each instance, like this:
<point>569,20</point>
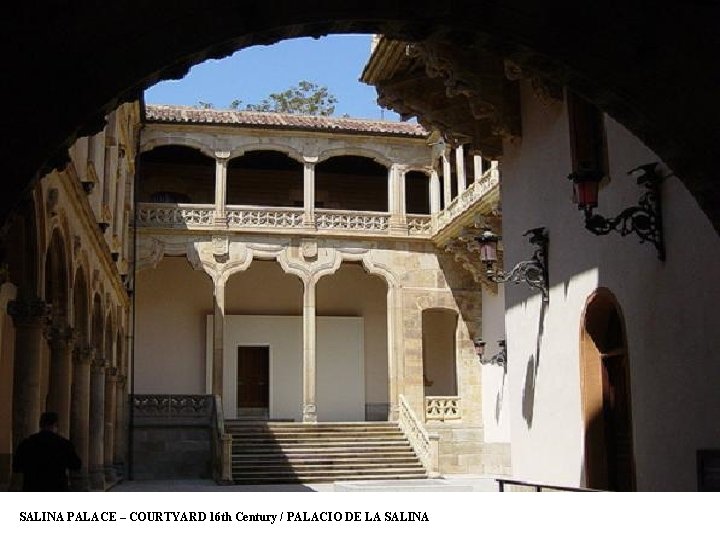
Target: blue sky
<point>253,73</point>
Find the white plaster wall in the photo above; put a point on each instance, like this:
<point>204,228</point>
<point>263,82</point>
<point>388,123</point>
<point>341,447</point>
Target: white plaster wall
<point>171,302</point>
<point>353,292</point>
<point>496,398</point>
<point>339,354</point>
<point>670,310</point>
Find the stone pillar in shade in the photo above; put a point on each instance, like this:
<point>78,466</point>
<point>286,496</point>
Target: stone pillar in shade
<point>61,366</point>
<point>80,414</point>
<point>221,164</point>
<point>96,463</point>
<point>110,424</point>
<point>309,408</point>
<point>434,187</point>
<point>120,440</point>
<point>30,317</point>
<point>218,336</point>
<point>309,191</point>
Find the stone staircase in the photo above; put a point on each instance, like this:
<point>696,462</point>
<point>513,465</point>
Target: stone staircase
<point>288,452</point>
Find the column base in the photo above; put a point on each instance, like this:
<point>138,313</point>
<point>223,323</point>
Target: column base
<point>79,481</point>
<point>111,476</point>
<point>309,414</point>
<point>97,479</point>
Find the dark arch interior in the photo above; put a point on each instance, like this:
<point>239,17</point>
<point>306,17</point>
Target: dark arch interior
<point>633,76</point>
<point>417,194</point>
<point>351,183</point>
<point>265,178</point>
<point>176,174</point>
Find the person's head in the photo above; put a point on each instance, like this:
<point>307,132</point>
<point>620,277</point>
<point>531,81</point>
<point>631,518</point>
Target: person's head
<point>49,421</point>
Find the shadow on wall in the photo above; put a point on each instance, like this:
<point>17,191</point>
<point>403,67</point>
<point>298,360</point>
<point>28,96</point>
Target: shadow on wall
<point>528,399</point>
<point>499,398</point>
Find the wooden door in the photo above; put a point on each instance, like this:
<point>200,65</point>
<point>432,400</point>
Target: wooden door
<point>253,378</point>
<point>605,384</point>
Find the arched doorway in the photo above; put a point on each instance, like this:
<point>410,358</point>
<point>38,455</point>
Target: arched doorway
<point>605,386</point>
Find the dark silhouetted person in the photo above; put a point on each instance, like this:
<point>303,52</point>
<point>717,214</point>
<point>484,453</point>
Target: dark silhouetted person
<point>44,458</point>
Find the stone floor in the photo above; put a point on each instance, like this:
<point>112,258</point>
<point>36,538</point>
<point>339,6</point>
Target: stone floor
<point>454,483</point>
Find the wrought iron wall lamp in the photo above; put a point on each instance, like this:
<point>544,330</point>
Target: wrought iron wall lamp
<point>645,219</point>
<point>533,271</point>
<point>498,359</point>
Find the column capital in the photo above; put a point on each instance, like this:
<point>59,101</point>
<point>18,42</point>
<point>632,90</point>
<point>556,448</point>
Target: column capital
<point>111,373</point>
<point>310,160</point>
<point>83,355</point>
<point>222,155</point>
<point>99,364</point>
<point>61,336</point>
<point>29,312</point>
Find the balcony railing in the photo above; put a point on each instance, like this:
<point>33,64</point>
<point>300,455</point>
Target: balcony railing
<point>351,220</point>
<point>175,216</point>
<point>241,217</point>
<point>419,225</point>
<point>468,198</point>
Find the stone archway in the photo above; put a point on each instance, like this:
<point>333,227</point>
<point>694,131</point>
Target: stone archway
<point>633,76</point>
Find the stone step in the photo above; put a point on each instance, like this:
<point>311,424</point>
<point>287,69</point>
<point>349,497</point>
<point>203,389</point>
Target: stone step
<point>356,446</point>
<point>330,474</point>
<point>292,479</point>
<point>309,456</point>
<point>326,468</point>
<point>264,461</point>
<point>292,437</point>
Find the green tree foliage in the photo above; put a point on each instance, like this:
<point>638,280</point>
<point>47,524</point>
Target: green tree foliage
<point>304,98</point>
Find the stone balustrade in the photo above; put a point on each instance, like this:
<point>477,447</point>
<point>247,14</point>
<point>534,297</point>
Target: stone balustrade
<point>442,408</point>
<point>425,445</point>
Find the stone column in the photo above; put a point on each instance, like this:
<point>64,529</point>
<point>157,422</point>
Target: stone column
<point>120,439</point>
<point>30,318</point>
<point>218,336</point>
<point>309,191</point>
<point>97,425</point>
<point>80,414</point>
<point>221,163</point>
<point>309,338</point>
<point>393,349</point>
<point>434,186</point>
<point>110,425</point>
<point>396,199</point>
<point>447,181</point>
<point>460,166</point>
<point>61,342</point>
<point>477,167</point>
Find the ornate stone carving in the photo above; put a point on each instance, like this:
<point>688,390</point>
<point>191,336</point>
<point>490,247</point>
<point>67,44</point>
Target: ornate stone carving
<point>61,336</point>
<point>351,221</point>
<point>220,248</point>
<point>52,201</point>
<point>29,312</point>
<point>308,249</point>
<point>442,408</point>
<point>174,216</point>
<point>270,218</point>
<point>190,405</point>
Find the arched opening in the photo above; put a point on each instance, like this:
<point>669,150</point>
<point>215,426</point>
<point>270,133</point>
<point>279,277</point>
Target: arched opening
<point>172,302</point>
<point>417,193</point>
<point>59,369</point>
<point>265,178</point>
<point>605,385</point>
<point>352,346</point>
<point>351,183</point>
<point>97,397</point>
<point>439,328</point>
<point>176,174</point>
<point>80,399</point>
<point>263,343</point>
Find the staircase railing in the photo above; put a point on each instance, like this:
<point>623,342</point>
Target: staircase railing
<point>222,445</point>
<point>426,445</point>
